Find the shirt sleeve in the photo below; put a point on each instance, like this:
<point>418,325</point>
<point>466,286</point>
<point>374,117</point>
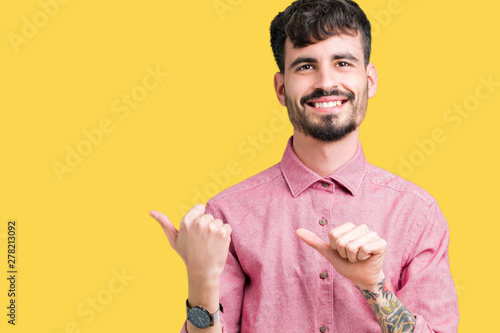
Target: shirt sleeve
<point>232,284</point>
<point>427,288</point>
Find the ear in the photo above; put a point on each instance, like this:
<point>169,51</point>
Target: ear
<point>372,74</point>
<point>279,87</point>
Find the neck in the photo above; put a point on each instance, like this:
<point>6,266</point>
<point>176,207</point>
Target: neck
<point>324,158</point>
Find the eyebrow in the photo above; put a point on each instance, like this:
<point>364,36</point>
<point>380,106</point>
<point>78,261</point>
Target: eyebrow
<point>347,56</point>
<point>300,60</point>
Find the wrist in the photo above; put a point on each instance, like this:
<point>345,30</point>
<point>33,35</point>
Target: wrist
<point>203,274</point>
<point>373,285</point>
<point>204,292</point>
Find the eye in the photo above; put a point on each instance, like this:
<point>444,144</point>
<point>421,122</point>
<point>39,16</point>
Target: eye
<point>343,64</point>
<point>305,67</point>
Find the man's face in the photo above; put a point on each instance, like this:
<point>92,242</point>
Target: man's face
<point>326,86</point>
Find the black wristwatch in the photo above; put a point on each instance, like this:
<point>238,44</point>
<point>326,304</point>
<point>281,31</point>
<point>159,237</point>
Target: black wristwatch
<point>201,317</point>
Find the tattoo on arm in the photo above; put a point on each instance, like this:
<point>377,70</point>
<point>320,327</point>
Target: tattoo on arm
<point>392,316</point>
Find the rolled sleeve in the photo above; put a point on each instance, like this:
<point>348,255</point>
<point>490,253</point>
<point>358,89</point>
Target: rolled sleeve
<point>427,288</point>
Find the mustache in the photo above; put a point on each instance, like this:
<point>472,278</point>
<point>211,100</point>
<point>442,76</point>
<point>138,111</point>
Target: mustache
<point>320,93</point>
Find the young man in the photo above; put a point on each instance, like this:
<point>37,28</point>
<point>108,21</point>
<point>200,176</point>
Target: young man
<point>322,241</point>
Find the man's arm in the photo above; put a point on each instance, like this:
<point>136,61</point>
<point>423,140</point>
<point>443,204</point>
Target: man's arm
<point>357,254</point>
<point>202,242</point>
<point>391,314</point>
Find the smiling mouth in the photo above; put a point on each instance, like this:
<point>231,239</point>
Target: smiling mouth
<point>326,105</point>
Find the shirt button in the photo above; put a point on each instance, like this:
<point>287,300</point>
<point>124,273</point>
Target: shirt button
<point>323,275</point>
<point>322,222</point>
<point>322,329</point>
<point>325,184</point>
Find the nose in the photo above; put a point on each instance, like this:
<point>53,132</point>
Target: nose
<point>326,79</point>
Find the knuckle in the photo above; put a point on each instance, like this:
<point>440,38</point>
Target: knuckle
<point>207,218</point>
<point>334,234</point>
<point>341,242</point>
<point>364,248</point>
<point>225,232</point>
<point>351,248</point>
<point>194,224</point>
<point>198,207</point>
<point>361,251</point>
<point>200,222</point>
<point>212,227</point>
<point>222,232</point>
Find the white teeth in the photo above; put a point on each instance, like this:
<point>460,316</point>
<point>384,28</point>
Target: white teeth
<point>327,104</point>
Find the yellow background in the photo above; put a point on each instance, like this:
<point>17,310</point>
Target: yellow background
<point>76,234</point>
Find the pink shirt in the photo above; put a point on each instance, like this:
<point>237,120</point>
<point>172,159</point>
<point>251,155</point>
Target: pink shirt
<point>273,282</point>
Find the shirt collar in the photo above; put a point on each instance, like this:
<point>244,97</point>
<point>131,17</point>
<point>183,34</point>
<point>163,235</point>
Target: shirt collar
<point>299,177</point>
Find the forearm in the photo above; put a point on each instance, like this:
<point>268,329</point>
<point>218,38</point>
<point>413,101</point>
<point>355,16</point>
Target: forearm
<point>204,291</point>
<point>391,314</point>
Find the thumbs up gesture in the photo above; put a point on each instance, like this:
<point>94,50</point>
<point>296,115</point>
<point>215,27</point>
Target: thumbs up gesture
<point>201,241</point>
<point>356,252</point>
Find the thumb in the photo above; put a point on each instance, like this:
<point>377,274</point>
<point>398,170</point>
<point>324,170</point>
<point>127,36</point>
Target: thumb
<point>167,226</point>
<point>316,243</point>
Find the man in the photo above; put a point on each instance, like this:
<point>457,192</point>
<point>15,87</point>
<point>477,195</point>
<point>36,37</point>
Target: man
<point>322,241</point>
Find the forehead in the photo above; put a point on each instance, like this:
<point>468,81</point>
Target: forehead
<point>334,45</point>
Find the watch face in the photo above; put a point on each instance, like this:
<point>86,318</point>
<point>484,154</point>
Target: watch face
<point>198,317</point>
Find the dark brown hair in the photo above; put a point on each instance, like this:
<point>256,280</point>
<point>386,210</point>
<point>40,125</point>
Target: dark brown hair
<point>308,21</point>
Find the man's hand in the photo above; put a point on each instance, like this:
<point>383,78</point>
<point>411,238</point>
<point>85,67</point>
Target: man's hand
<point>354,251</point>
<point>201,241</point>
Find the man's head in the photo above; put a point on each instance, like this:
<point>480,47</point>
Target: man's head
<point>306,22</point>
<point>322,48</point>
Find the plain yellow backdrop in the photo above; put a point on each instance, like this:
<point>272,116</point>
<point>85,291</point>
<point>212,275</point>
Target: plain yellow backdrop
<point>110,109</point>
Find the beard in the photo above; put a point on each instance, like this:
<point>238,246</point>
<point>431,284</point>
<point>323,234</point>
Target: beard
<point>327,127</point>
